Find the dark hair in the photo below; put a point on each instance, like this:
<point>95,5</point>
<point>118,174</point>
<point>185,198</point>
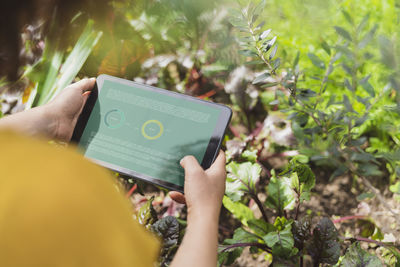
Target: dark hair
<point>16,14</point>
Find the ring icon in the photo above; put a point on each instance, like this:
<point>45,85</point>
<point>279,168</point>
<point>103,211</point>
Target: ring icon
<point>114,118</point>
<point>152,129</point>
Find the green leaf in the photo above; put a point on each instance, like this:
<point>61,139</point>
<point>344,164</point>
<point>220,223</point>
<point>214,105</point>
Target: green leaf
<point>364,196</point>
<point>228,256</point>
<point>357,257</point>
<point>306,176</point>
<point>367,86</point>
<point>260,227</point>
<point>316,61</point>
<point>324,247</point>
<point>241,178</point>
<point>367,38</point>
<point>348,17</point>
<point>395,188</point>
<point>326,47</point>
<point>147,215</point>
<point>265,34</point>
<point>66,72</point>
<point>296,60</point>
<point>239,210</point>
<point>262,77</point>
<point>362,24</point>
<point>250,155</point>
<point>342,32</point>
<point>242,236</point>
<point>388,53</point>
<point>281,240</point>
<point>273,52</point>
<point>280,194</point>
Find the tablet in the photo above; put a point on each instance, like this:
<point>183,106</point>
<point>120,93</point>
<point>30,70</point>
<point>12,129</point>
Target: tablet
<point>143,131</point>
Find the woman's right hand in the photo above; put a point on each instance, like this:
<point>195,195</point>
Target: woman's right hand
<point>204,189</point>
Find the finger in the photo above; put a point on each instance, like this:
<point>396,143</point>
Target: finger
<point>178,197</point>
<point>219,163</point>
<point>190,164</point>
<point>84,85</point>
<point>85,97</point>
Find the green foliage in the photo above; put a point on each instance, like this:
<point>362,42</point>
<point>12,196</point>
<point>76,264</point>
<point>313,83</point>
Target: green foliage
<point>280,240</point>
<point>242,177</point>
<point>52,73</point>
<point>238,210</point>
<point>356,257</point>
<point>334,105</point>
<point>280,195</point>
<point>147,215</point>
<point>333,82</point>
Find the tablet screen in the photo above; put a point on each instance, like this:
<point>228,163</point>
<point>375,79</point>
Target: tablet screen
<point>147,132</point>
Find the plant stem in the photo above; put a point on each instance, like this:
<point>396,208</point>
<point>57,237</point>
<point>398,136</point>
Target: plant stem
<point>297,209</point>
<point>252,244</point>
<point>325,79</point>
<point>301,261</point>
<point>260,206</point>
<point>260,53</point>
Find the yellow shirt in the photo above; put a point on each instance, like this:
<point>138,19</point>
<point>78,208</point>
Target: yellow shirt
<point>58,209</point>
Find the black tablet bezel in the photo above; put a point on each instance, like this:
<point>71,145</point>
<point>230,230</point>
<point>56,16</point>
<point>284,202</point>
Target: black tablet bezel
<point>212,149</point>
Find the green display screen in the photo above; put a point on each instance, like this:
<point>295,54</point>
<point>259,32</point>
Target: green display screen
<point>146,131</point>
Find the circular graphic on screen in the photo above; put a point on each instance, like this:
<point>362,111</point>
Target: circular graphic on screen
<point>114,118</point>
<point>152,129</point>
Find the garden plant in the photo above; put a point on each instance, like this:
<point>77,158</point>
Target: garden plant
<point>313,149</point>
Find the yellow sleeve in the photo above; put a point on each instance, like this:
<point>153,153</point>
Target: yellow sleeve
<point>58,209</point>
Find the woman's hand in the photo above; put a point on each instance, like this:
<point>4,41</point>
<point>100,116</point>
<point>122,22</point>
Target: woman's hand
<point>55,120</point>
<point>66,108</point>
<point>203,195</point>
<point>203,189</point>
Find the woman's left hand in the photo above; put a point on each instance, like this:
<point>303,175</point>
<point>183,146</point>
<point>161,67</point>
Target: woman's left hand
<point>65,109</point>
<point>56,119</point>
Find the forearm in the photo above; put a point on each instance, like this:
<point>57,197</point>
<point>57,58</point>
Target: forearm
<point>200,244</point>
<point>34,122</point>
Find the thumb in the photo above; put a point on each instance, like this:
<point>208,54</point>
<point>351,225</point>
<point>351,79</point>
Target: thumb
<point>191,165</point>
